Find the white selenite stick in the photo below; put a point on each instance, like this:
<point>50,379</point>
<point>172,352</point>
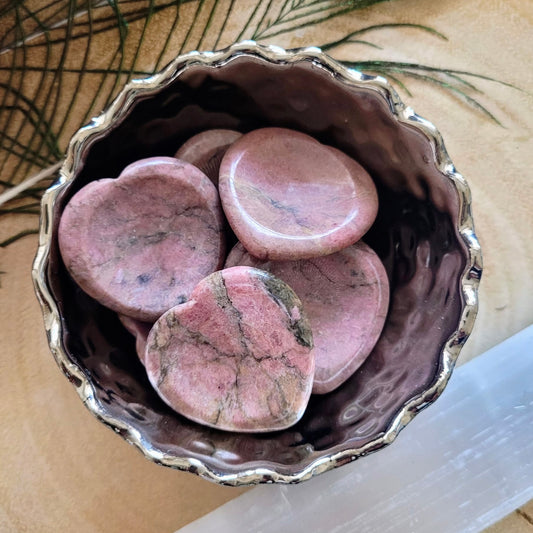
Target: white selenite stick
<point>459,466</point>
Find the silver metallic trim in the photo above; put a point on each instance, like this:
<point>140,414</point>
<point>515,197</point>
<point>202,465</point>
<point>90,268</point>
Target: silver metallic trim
<point>119,110</point>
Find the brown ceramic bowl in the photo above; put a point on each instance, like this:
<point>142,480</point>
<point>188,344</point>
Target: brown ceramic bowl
<point>424,234</point>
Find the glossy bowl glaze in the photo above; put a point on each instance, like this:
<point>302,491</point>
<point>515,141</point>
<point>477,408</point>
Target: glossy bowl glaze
<point>424,234</point>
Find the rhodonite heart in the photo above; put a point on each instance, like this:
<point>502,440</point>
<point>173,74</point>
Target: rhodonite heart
<point>237,356</point>
<point>140,243</point>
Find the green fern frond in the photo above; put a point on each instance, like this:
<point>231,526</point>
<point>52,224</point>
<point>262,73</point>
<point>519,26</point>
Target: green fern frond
<point>44,77</point>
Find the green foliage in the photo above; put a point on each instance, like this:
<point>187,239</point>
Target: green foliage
<point>49,66</point>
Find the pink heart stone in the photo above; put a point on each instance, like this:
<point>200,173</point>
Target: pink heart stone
<point>140,243</point>
<point>237,356</point>
<point>287,196</point>
<point>345,296</point>
<point>140,331</point>
<point>205,150</point>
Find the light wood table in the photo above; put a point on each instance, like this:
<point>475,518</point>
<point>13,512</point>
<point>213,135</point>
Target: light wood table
<point>61,470</point>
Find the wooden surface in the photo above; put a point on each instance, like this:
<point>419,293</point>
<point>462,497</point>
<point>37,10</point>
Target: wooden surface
<point>64,471</point>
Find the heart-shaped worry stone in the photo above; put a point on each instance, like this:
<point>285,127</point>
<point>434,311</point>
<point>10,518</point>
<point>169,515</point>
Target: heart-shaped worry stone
<point>140,243</point>
<point>237,356</point>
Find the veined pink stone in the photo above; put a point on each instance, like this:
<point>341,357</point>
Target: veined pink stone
<point>236,356</point>
<point>140,331</point>
<point>345,296</point>
<point>205,150</point>
<point>140,243</point>
<point>287,196</point>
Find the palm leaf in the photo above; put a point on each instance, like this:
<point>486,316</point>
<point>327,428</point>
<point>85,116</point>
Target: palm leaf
<point>54,76</point>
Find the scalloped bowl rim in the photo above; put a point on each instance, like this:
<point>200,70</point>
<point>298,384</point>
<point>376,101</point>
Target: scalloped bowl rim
<point>119,109</point>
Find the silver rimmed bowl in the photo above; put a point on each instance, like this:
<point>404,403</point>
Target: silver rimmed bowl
<point>424,234</point>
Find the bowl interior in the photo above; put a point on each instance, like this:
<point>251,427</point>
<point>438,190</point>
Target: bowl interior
<point>414,234</point>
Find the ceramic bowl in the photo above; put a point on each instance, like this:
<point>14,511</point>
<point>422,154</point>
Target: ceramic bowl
<point>424,235</point>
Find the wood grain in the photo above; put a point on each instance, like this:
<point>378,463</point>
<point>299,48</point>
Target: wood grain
<point>64,471</point>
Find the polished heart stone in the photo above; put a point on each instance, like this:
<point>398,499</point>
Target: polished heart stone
<point>237,356</point>
<point>345,296</point>
<point>140,331</point>
<point>205,150</point>
<point>140,243</point>
<point>287,196</point>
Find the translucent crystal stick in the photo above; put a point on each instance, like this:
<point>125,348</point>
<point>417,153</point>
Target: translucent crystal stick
<point>459,466</point>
